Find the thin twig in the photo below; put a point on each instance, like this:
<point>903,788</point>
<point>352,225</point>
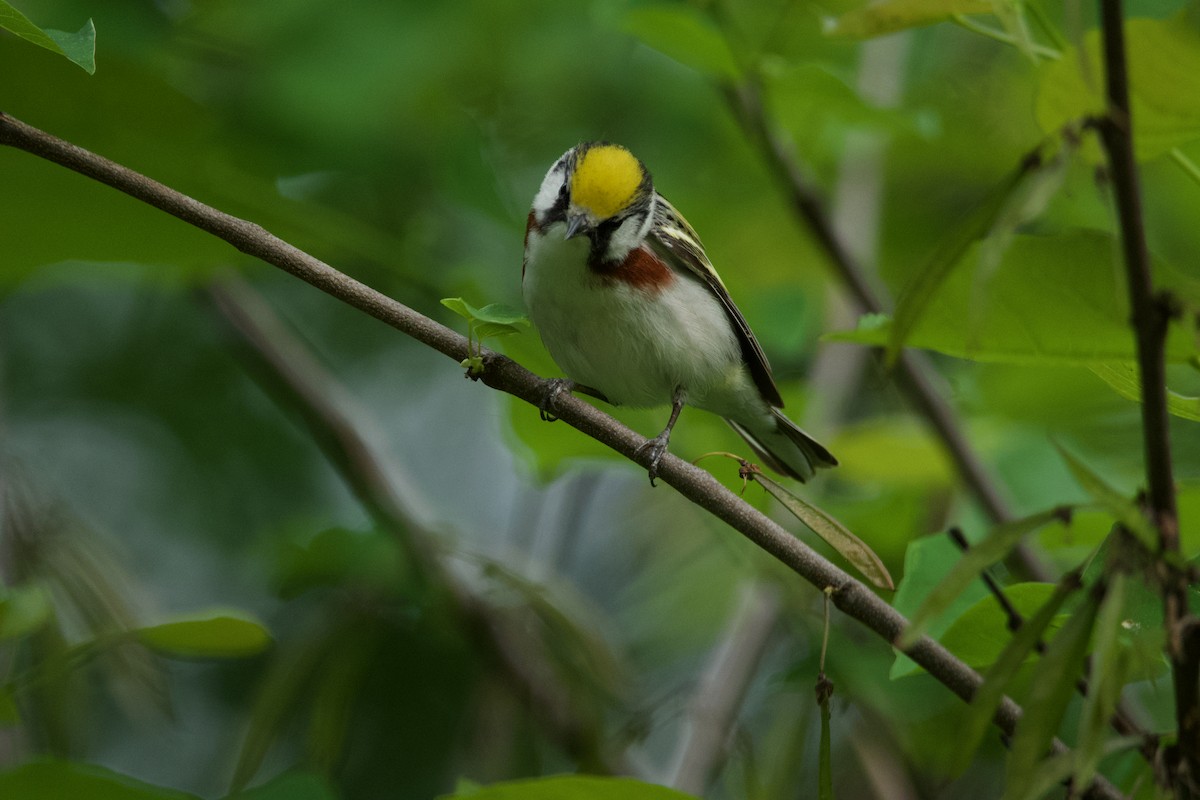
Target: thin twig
<point>1151,314</point>
<point>851,597</point>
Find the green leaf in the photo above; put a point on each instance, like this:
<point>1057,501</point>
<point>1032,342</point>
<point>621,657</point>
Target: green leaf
<point>213,634</point>
<point>78,47</point>
<point>685,34</point>
<point>461,307</point>
<point>1022,197</point>
<point>982,708</point>
<point>1110,669</point>
<point>289,786</point>
<point>926,561</point>
<point>489,330</point>
<point>1056,299</point>
<point>980,634</point>
<point>494,319</point>
<point>56,780</point>
<point>1048,698</point>
<point>502,314</point>
<point>948,255</point>
<point>995,546</point>
<point>1123,509</point>
<point>1164,82</point>
<point>889,16</point>
<point>24,609</point>
<point>572,787</point>
<point>835,534</point>
<point>1122,376</point>
<point>811,101</point>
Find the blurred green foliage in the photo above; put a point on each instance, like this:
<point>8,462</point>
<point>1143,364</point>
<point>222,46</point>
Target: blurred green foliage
<point>164,472</point>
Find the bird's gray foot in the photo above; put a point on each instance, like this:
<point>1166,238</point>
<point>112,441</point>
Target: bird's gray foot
<point>657,446</point>
<point>557,387</point>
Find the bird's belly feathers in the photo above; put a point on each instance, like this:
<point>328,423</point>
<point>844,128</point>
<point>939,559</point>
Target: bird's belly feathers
<point>634,343</point>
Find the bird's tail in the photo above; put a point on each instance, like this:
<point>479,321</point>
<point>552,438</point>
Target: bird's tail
<point>783,447</point>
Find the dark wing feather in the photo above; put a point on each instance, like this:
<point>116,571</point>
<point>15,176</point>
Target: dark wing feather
<point>673,239</point>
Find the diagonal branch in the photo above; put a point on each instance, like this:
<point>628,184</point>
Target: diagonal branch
<point>851,597</point>
<point>1151,314</point>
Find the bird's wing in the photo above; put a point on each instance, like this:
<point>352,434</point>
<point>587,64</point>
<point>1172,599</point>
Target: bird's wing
<point>674,240</point>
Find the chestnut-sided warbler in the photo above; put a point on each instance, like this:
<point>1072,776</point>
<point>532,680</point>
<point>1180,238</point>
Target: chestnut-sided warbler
<point>630,308</point>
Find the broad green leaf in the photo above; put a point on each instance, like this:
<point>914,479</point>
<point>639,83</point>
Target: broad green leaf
<point>982,708</point>
<point>835,534</point>
<point>926,561</point>
<point>495,319</point>
<point>1123,378</point>
<point>214,634</point>
<point>1110,670</point>
<point>24,609</point>
<point>949,253</point>
<point>1057,299</point>
<point>810,101</point>
<point>685,34</point>
<point>1164,82</point>
<point>572,787</point>
<point>980,634</point>
<point>1123,509</point>
<point>289,786</point>
<point>497,313</point>
<point>994,547</point>
<point>56,780</point>
<point>78,47</point>
<point>889,16</point>
<point>1048,698</point>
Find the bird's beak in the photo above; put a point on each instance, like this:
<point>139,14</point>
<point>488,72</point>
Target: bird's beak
<point>576,225</point>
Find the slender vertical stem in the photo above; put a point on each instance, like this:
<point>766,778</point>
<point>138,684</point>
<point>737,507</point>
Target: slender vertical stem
<point>1151,313</point>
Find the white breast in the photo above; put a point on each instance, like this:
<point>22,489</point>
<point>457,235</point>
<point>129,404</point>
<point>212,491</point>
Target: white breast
<point>634,345</point>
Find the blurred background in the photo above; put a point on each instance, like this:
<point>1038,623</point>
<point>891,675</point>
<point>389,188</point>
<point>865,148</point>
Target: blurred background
<point>488,596</point>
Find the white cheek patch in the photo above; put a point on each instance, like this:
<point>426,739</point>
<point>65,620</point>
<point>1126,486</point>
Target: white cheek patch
<point>547,194</point>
